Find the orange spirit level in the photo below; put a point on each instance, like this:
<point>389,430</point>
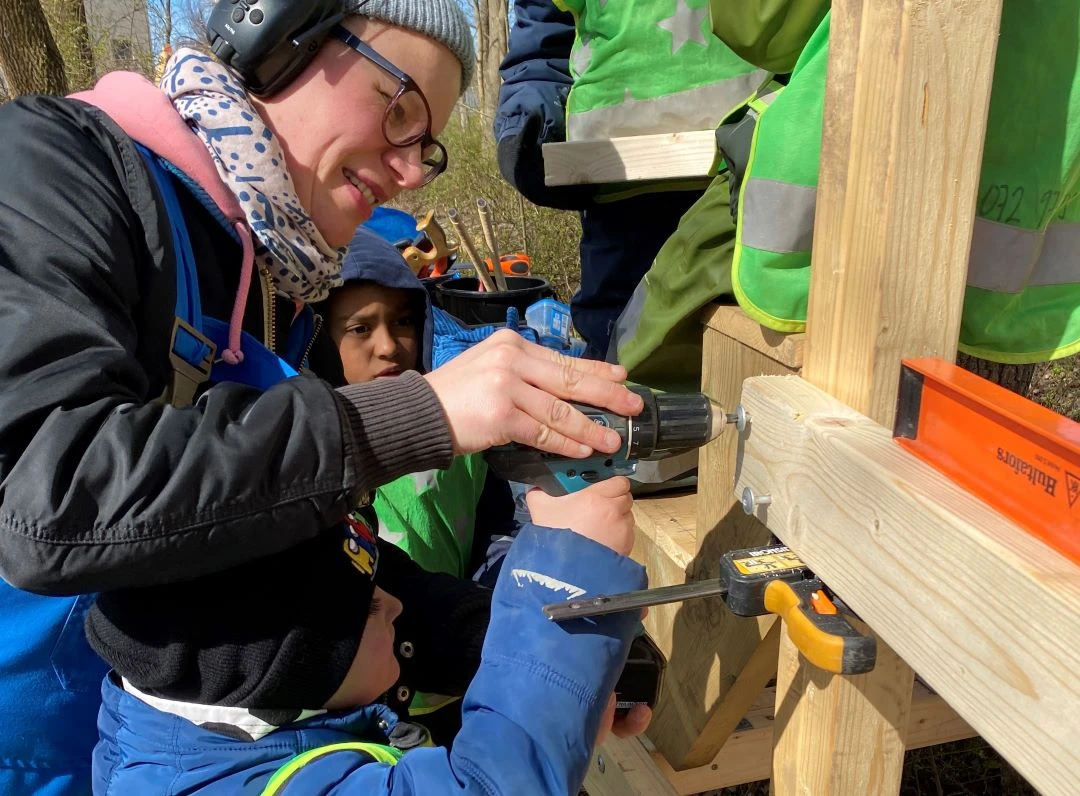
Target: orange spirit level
<point>1021,458</point>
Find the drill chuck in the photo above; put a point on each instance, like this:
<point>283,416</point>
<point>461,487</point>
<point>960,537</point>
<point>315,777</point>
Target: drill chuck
<point>669,422</point>
<point>673,422</point>
<point>683,420</point>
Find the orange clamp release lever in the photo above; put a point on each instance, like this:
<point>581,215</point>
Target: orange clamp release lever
<point>818,629</point>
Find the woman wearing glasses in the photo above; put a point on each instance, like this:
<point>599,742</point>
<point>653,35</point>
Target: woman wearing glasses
<point>158,250</point>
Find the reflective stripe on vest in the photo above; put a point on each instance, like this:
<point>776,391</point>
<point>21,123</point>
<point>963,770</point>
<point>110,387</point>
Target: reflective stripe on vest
<point>779,217</point>
<point>376,753</point>
<point>696,109</point>
<point>426,704</point>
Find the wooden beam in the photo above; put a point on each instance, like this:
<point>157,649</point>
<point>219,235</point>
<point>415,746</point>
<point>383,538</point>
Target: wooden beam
<point>986,613</point>
<point>687,635</point>
<point>735,665</point>
<point>747,756</point>
<point>800,749</point>
<point>708,685</point>
<point>906,104</point>
<point>756,674</point>
<point>640,157</point>
<point>622,767</point>
<point>731,321</point>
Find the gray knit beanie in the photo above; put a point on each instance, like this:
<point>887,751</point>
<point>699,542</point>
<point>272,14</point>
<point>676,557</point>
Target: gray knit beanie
<point>441,20</point>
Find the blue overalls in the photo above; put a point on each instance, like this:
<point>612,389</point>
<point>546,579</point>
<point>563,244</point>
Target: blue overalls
<point>50,678</point>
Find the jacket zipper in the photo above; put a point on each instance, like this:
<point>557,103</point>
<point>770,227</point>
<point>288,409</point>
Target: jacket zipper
<point>269,310</point>
<point>311,342</point>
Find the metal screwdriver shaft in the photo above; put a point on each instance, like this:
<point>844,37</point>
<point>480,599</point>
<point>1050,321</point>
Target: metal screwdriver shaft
<point>631,600</point>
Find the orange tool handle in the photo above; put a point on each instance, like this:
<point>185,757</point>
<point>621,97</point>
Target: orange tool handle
<point>820,632</point>
<point>512,264</point>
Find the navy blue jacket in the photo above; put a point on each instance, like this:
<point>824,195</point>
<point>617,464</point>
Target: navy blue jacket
<point>530,716</point>
<point>532,102</point>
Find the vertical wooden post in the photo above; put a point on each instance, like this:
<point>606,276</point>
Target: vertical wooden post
<point>905,117</point>
<point>718,663</point>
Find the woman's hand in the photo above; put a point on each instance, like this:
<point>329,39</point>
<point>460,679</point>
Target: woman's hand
<point>507,389</point>
<point>603,512</point>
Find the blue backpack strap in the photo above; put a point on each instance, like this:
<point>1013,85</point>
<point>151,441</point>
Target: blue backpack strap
<point>191,353</point>
<point>261,368</point>
<point>195,338</point>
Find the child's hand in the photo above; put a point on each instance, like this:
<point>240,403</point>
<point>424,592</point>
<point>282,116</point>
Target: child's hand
<point>632,724</point>
<point>602,512</point>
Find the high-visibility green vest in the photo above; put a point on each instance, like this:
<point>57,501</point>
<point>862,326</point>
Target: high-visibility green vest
<point>650,67</point>
<point>768,33</point>
<point>1023,297</point>
<point>377,753</point>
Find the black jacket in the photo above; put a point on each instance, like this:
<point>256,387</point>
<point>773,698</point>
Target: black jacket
<point>102,486</point>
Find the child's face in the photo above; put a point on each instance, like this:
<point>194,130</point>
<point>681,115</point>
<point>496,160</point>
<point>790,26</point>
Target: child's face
<point>374,669</point>
<point>375,329</point>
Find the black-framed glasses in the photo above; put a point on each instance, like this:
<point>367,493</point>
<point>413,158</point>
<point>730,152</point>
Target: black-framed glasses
<point>407,119</point>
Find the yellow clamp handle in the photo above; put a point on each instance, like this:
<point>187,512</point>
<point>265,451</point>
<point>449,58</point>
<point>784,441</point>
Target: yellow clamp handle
<point>821,633</point>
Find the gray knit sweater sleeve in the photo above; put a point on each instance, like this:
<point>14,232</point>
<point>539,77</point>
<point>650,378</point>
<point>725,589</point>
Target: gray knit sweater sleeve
<point>398,427</point>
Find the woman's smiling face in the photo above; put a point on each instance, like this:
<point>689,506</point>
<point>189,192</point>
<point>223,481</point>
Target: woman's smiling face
<point>329,122</point>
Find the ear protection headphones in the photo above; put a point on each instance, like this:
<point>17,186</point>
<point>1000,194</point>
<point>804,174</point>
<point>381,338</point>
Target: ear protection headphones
<point>268,42</point>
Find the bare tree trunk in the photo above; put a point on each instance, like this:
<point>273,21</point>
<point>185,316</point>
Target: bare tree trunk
<point>29,59</point>
<point>164,23</point>
<point>480,15</point>
<point>70,24</point>
<point>492,36</point>
<point>166,31</point>
<point>498,35</point>
<point>1012,377</point>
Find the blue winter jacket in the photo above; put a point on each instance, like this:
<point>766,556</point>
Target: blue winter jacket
<point>532,102</point>
<point>530,716</point>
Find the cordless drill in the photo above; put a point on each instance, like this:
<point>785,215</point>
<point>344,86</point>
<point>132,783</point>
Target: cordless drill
<point>670,422</point>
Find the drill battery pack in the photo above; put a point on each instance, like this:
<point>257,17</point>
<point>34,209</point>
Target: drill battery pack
<point>642,677</point>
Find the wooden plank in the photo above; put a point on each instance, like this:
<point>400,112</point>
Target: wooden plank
<point>664,545</point>
<point>758,672</point>
<point>668,520</point>
<point>861,758</point>
<point>986,613</point>
<point>707,647</point>
<point>932,721</point>
<point>905,116</point>
<point>747,756</point>
<point>622,767</point>
<point>640,157</point>
<point>733,322</point>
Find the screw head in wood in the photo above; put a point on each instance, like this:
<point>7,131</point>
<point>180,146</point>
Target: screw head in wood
<point>750,501</point>
<point>742,418</point>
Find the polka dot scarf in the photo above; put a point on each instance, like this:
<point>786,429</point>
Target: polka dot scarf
<point>212,101</point>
